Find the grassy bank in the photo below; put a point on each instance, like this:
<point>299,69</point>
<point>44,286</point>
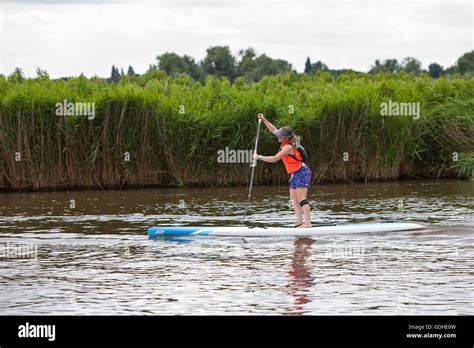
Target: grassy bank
<point>160,131</point>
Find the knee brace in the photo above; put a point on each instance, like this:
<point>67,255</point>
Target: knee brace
<point>304,202</point>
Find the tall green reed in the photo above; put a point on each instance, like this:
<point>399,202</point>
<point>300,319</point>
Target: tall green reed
<point>167,131</point>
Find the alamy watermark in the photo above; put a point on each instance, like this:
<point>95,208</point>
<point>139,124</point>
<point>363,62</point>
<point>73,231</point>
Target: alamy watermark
<point>18,251</point>
<point>75,109</point>
<point>28,330</point>
<point>344,251</point>
<point>392,108</point>
<point>234,156</point>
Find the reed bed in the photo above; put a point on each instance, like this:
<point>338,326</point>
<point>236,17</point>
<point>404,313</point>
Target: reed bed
<point>162,131</point>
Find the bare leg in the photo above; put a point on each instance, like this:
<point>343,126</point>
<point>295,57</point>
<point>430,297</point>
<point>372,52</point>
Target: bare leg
<point>301,193</point>
<point>296,206</point>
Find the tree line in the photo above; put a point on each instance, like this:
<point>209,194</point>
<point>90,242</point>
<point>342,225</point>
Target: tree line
<point>251,67</point>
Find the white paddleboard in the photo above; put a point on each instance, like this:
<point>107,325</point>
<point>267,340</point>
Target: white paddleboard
<point>283,231</point>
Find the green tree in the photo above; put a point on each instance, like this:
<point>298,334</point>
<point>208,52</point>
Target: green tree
<point>265,66</point>
<point>307,66</point>
<point>376,68</point>
<point>388,65</point>
<point>192,68</point>
<point>130,71</point>
<point>17,75</point>
<point>319,66</point>
<point>42,74</point>
<point>466,63</point>
<point>115,75</point>
<point>247,63</point>
<point>435,70</point>
<point>171,63</point>
<point>311,68</point>
<point>451,70</point>
<point>411,65</point>
<point>219,62</point>
<point>174,65</point>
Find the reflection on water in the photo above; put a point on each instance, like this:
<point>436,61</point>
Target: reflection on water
<point>96,258</point>
<point>301,279</point>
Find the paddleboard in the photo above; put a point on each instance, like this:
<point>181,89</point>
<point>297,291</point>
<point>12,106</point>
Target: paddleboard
<point>283,231</point>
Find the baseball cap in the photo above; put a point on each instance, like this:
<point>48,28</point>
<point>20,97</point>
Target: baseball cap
<point>283,133</point>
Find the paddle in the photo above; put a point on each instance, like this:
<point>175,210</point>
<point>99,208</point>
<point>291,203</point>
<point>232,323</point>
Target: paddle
<point>254,164</point>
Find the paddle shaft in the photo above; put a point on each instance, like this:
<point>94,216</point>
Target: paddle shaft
<point>254,165</point>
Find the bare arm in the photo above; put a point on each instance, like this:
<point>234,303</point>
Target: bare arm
<point>287,149</point>
<point>267,123</point>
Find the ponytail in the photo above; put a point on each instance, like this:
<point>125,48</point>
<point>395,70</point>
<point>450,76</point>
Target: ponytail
<point>296,140</point>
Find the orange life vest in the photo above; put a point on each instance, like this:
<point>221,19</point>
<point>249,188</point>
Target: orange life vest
<point>292,165</point>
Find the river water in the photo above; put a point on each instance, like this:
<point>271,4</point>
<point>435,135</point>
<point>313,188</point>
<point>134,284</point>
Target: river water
<point>88,252</point>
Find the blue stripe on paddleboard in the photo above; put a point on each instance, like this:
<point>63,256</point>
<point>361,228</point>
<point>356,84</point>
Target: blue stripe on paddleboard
<point>178,231</point>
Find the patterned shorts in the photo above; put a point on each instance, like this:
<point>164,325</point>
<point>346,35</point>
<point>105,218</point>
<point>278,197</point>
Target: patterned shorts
<point>301,178</point>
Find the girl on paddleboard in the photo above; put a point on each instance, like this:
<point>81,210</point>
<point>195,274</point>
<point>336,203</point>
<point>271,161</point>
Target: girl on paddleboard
<point>294,158</point>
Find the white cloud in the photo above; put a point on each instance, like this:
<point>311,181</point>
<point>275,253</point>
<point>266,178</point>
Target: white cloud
<point>70,37</point>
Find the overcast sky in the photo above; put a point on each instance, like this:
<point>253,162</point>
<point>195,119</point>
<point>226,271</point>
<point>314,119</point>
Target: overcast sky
<point>69,37</point>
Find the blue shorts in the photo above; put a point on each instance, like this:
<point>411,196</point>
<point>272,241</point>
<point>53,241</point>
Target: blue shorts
<point>301,178</point>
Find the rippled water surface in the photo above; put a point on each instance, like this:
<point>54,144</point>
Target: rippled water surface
<point>88,253</point>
